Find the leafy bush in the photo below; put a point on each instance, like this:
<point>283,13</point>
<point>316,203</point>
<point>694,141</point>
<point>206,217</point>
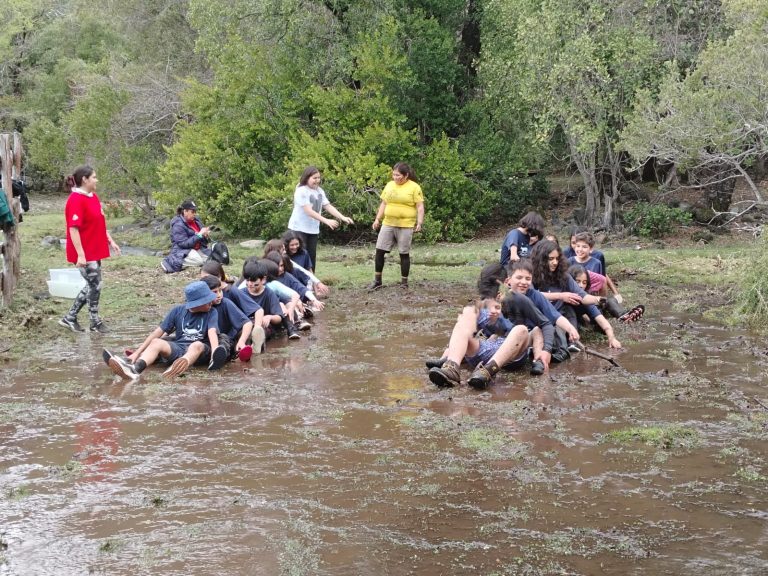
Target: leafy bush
<point>655,220</point>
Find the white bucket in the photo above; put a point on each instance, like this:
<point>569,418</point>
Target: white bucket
<point>65,282</point>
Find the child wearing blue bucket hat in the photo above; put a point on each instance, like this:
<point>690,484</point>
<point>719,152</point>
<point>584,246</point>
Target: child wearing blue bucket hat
<point>195,327</point>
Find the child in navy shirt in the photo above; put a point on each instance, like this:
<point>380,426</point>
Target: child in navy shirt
<point>517,241</point>
<point>235,328</point>
<point>582,244</point>
<point>195,325</point>
<point>255,276</point>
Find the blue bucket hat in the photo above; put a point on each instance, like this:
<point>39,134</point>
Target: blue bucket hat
<point>197,294</point>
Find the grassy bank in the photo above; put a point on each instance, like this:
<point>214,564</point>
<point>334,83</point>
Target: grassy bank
<point>136,290</point>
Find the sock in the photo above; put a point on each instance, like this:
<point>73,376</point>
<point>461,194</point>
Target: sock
<point>405,266</point>
<point>492,367</point>
<point>378,262</point>
<point>140,365</point>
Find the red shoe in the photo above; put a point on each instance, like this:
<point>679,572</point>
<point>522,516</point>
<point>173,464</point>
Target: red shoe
<point>245,353</point>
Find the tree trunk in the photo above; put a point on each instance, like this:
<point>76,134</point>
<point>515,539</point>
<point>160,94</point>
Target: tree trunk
<point>612,191</point>
<point>585,163</point>
<point>10,166</point>
<point>717,182</point>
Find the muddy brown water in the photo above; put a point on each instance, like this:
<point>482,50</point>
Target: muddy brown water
<point>334,455</point>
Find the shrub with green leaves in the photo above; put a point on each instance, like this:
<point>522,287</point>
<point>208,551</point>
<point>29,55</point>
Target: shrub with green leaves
<point>655,220</point>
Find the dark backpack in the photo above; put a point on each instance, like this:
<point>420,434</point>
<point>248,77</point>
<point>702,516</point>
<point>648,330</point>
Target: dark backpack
<point>20,190</point>
<point>219,253</point>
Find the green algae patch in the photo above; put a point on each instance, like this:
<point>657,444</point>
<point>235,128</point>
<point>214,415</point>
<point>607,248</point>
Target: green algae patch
<point>665,437</point>
<point>491,444</point>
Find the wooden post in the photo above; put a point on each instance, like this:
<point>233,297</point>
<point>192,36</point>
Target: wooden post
<point>10,167</point>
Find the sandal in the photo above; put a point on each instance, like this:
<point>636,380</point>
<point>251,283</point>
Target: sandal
<point>177,368</point>
<point>633,314</point>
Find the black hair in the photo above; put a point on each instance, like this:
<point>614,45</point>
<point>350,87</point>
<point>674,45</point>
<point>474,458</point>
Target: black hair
<point>543,277</point>
<point>80,174</point>
<point>254,269</point>
<point>214,269</point>
<point>534,223</point>
<point>490,280</point>
<point>577,270</point>
<point>289,235</point>
<point>405,170</point>
<point>522,264</point>
<point>212,282</point>
<point>271,267</point>
<point>307,174</point>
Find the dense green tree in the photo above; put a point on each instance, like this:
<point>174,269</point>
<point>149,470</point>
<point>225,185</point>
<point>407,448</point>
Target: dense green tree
<point>711,121</point>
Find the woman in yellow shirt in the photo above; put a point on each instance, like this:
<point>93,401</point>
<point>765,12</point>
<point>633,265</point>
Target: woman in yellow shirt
<point>402,210</point>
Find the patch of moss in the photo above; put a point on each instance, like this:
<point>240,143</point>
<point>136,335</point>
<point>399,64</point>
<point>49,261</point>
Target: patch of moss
<point>667,437</point>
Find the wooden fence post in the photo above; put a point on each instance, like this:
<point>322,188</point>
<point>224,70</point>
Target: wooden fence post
<point>10,168</point>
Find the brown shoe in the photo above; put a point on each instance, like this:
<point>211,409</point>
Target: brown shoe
<point>447,376</point>
<point>480,377</point>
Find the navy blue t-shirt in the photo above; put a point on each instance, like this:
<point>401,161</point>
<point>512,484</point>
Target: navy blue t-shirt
<point>290,280</point>
<point>569,253</point>
<point>242,301</point>
<point>591,310</point>
<point>231,318</point>
<point>593,264</point>
<point>515,238</point>
<point>302,259</point>
<point>189,326</point>
<point>268,300</point>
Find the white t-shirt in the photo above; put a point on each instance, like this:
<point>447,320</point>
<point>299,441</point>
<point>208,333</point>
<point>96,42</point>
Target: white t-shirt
<point>299,220</point>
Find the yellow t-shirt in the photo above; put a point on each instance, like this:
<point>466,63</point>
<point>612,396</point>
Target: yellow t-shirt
<point>401,200</point>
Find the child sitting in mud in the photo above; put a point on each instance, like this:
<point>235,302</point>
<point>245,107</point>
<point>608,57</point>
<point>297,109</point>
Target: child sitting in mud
<point>570,252</point>
<point>603,287</point>
<point>582,245</point>
<point>236,330</point>
<point>197,342</point>
<point>508,345</point>
<point>273,314</point>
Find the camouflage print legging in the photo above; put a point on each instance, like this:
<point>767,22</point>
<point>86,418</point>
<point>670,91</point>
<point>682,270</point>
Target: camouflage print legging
<point>90,292</point>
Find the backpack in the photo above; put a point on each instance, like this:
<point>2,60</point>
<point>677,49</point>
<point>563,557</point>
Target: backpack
<point>219,253</point>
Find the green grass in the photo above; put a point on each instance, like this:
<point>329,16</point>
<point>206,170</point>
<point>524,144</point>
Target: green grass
<point>667,437</point>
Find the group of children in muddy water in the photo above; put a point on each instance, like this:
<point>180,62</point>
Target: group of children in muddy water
<point>530,306</point>
<point>226,318</point>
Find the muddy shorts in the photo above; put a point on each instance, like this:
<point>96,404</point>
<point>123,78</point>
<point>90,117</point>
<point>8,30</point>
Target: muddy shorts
<point>488,348</point>
<point>178,349</point>
<point>389,236</point>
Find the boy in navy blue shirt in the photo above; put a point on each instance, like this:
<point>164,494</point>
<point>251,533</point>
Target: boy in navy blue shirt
<point>517,241</point>
<point>582,244</point>
<point>195,325</point>
<point>235,328</point>
<point>255,276</point>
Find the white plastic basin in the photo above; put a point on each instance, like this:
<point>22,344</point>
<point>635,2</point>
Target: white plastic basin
<point>65,282</point>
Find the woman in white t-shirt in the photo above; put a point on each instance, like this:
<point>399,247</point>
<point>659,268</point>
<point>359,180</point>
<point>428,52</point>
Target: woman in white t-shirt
<point>309,201</point>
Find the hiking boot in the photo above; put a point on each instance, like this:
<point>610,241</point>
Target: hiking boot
<point>119,366</point>
<point>73,325</point>
<point>480,377</point>
<point>100,327</point>
<point>447,376</point>
<point>537,368</point>
<point>435,363</point>
<point>218,357</point>
<point>375,285</point>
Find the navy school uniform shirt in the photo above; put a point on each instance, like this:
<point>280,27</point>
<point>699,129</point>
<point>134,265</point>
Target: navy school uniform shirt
<point>524,313</point>
<point>267,300</point>
<point>591,310</point>
<point>189,326</point>
<point>302,259</point>
<point>515,238</point>
<point>569,253</point>
<point>242,301</point>
<point>292,282</point>
<point>593,264</point>
<point>231,318</point>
